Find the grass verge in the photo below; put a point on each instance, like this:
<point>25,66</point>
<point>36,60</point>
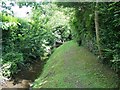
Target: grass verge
<point>71,66</point>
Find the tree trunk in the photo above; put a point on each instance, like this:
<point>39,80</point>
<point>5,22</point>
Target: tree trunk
<point>97,30</point>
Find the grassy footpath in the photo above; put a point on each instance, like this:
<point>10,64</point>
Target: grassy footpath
<point>71,66</point>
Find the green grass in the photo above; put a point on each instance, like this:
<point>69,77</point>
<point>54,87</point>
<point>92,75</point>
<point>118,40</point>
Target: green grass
<point>72,66</point>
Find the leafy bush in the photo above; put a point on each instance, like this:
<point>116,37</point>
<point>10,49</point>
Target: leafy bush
<point>26,40</point>
<point>11,62</point>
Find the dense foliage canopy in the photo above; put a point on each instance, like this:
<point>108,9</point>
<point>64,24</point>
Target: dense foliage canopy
<point>27,40</point>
